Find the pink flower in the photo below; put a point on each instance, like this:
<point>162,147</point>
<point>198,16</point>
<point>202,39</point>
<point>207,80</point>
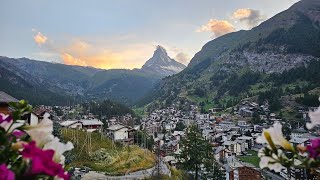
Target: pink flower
<point>7,122</point>
<point>5,118</point>
<point>314,148</point>
<point>42,161</point>
<point>5,173</point>
<point>18,133</point>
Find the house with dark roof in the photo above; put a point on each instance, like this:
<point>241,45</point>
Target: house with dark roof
<point>5,99</point>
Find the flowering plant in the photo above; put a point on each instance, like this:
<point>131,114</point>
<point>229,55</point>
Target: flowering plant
<point>279,154</point>
<point>30,152</point>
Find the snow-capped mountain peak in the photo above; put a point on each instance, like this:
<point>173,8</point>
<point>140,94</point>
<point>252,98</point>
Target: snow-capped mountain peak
<point>162,64</point>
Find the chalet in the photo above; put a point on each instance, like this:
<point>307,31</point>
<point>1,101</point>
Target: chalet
<point>91,124</point>
<point>118,132</point>
<point>37,115</point>
<point>88,124</point>
<point>236,170</point>
<point>169,148</point>
<point>249,141</point>
<point>221,153</point>
<point>297,133</point>
<point>257,128</point>
<point>300,141</point>
<point>73,124</point>
<point>245,112</point>
<point>233,146</point>
<point>5,99</point>
<point>153,128</point>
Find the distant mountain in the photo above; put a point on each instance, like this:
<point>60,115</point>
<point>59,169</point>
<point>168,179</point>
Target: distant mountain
<point>40,81</point>
<point>23,86</point>
<point>162,64</point>
<point>281,53</point>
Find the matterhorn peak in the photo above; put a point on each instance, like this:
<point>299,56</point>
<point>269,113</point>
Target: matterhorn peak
<point>162,64</point>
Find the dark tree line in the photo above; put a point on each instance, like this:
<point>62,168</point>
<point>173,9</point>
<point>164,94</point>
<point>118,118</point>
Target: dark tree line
<point>107,108</point>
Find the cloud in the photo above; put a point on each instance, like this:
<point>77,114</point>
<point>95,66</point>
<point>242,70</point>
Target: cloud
<point>105,54</point>
<point>70,60</point>
<point>176,53</point>
<point>103,59</point>
<point>84,54</point>
<point>248,16</point>
<point>182,57</point>
<point>40,39</point>
<point>218,27</point>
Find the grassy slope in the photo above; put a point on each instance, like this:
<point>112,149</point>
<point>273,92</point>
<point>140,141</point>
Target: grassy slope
<point>121,159</point>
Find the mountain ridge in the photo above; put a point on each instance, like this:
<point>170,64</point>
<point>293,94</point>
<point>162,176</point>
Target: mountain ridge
<point>284,44</point>
<point>123,85</point>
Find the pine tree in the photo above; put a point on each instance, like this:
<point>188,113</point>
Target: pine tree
<point>197,155</point>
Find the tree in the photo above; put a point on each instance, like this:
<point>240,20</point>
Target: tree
<point>196,155</point>
<point>213,171</point>
<point>180,126</point>
<point>144,140</point>
<point>256,118</point>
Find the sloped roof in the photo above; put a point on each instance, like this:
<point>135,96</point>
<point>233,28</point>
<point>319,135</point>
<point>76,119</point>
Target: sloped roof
<point>218,149</point>
<point>298,140</point>
<point>68,123</point>
<point>87,122</point>
<point>39,111</point>
<point>6,98</point>
<point>245,138</point>
<point>115,127</point>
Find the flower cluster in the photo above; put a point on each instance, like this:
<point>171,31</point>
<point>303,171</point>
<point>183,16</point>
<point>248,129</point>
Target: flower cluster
<point>279,154</point>
<point>30,152</point>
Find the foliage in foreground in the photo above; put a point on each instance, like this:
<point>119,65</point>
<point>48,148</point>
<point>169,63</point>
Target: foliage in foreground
<point>279,154</point>
<point>30,151</point>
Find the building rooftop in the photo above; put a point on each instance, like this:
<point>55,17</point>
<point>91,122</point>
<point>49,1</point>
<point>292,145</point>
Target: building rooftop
<point>87,122</point>
<point>115,127</point>
<point>245,138</point>
<point>6,98</point>
<point>68,123</point>
<point>297,140</point>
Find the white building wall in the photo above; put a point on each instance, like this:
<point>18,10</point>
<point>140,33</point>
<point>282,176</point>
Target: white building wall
<point>121,134</point>
<point>34,120</point>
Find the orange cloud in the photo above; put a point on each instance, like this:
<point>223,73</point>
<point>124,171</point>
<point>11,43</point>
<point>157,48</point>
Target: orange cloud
<point>40,39</point>
<point>70,60</point>
<point>99,55</point>
<point>242,13</point>
<point>182,57</point>
<point>84,54</point>
<point>218,27</point>
<point>104,60</point>
<point>249,16</point>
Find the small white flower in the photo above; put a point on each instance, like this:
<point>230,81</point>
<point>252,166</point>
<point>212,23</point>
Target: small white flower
<point>59,149</point>
<point>314,118</point>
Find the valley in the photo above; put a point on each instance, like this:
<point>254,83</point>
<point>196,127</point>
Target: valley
<point>246,106</point>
